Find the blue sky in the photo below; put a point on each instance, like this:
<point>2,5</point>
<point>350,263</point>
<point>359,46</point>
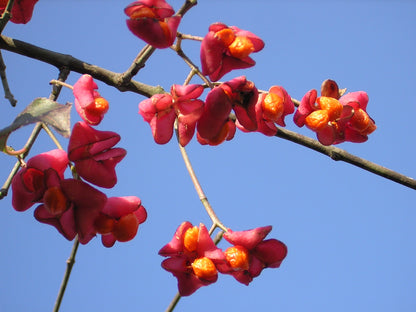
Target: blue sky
<point>351,235</point>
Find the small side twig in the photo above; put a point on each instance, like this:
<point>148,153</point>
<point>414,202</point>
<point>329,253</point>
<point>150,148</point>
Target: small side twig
<point>186,7</point>
<point>138,63</point>
<point>7,93</point>
<point>187,60</point>
<point>31,140</point>
<point>6,15</point>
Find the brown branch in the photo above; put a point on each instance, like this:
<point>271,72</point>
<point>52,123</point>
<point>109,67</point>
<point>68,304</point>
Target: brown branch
<point>60,60</point>
<point>121,81</point>
<point>186,7</point>
<point>118,81</point>
<point>337,154</point>
<point>7,93</point>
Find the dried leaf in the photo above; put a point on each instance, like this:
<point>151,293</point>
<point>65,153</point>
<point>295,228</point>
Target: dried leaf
<point>40,110</point>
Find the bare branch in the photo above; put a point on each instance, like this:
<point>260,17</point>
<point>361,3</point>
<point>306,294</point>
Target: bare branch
<point>336,153</point>
<point>60,60</point>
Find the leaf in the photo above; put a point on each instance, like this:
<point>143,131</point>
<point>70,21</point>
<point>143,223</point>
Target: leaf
<point>40,110</point>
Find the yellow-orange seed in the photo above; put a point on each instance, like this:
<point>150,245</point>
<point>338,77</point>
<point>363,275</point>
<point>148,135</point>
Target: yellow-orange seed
<point>241,47</point>
<point>361,122</point>
<point>126,227</point>
<point>226,35</point>
<point>204,268</point>
<point>99,107</point>
<point>272,106</point>
<point>317,120</point>
<point>190,239</point>
<point>237,257</point>
<point>331,105</point>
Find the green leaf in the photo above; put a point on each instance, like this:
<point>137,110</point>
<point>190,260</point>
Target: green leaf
<point>40,110</point>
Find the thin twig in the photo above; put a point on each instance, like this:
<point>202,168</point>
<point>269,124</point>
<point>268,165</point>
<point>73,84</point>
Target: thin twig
<point>29,143</point>
<point>215,220</point>
<point>189,37</point>
<point>138,63</point>
<point>296,102</point>
<point>61,83</point>
<point>186,7</point>
<point>6,15</point>
<point>188,61</point>
<point>337,154</point>
<point>7,93</point>
<point>173,303</point>
<point>69,264</point>
<point>189,77</point>
<point>52,136</point>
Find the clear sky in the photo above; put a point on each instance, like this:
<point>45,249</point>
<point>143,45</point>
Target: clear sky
<point>351,235</point>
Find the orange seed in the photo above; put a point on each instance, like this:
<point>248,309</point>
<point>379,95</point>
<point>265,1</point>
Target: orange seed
<point>317,120</point>
<point>126,227</point>
<point>204,268</point>
<point>190,239</point>
<point>331,105</point>
<point>237,257</point>
<point>99,107</point>
<point>241,47</point>
<point>272,106</point>
<point>226,35</point>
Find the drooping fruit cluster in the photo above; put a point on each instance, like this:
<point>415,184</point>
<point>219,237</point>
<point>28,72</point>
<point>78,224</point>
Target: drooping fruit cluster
<point>72,206</point>
<point>195,260</point>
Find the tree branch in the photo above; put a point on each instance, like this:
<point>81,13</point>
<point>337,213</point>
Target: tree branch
<point>60,60</point>
<point>337,154</point>
<point>116,80</point>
